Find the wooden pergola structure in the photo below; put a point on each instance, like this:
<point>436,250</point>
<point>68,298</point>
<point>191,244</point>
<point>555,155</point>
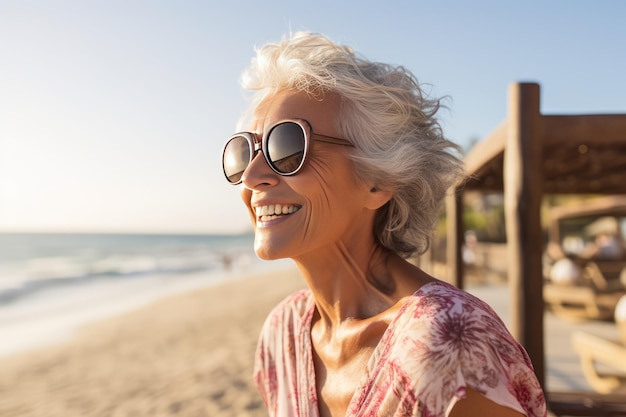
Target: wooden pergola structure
<point>528,155</point>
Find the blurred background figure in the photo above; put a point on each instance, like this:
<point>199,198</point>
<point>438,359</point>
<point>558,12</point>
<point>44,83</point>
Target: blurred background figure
<point>470,256</point>
<point>605,244</point>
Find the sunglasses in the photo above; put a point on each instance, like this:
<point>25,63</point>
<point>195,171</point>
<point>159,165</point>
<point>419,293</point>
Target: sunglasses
<point>285,147</point>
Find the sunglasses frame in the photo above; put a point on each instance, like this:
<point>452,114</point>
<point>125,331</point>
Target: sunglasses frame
<point>255,145</point>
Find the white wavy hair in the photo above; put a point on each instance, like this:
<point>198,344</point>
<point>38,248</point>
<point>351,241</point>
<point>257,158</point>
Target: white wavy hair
<point>399,144</point>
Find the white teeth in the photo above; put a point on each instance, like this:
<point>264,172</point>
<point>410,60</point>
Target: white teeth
<point>273,211</point>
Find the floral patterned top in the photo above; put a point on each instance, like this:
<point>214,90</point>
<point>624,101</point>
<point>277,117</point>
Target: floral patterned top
<point>441,341</point>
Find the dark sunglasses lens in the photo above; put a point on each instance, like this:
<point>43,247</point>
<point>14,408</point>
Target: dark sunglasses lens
<point>236,158</point>
<point>285,147</point>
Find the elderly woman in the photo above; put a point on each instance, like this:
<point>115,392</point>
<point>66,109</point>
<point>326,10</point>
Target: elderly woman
<point>343,168</point>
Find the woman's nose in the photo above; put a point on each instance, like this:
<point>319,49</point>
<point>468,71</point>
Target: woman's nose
<point>259,174</point>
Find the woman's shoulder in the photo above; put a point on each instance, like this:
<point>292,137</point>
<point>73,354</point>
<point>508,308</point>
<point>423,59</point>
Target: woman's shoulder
<point>450,333</point>
<point>438,302</point>
<point>442,295</point>
<point>441,315</point>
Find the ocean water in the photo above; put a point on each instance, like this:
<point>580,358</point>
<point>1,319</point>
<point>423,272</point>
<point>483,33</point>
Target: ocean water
<point>31,263</point>
<point>50,284</point>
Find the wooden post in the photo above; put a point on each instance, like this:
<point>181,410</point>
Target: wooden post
<point>454,258</point>
<point>523,189</point>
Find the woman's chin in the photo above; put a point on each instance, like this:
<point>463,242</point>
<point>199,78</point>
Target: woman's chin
<point>267,251</point>
<point>264,255</point>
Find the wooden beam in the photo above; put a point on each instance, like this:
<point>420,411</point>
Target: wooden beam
<point>454,246</point>
<point>586,404</point>
<point>596,206</point>
<point>612,183</point>
<point>523,180</point>
<point>486,150</point>
<point>600,129</point>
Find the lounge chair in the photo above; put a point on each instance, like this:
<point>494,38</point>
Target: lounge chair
<point>604,361</point>
<point>593,296</point>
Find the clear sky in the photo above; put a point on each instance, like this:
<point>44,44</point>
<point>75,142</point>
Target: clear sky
<point>113,113</point>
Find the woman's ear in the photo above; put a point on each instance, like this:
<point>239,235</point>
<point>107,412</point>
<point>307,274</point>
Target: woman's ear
<point>378,198</point>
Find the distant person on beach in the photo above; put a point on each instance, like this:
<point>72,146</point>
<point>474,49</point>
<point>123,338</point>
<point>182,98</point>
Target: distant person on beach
<point>343,168</point>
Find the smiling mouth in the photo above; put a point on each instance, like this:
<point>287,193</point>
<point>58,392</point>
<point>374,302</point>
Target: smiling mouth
<point>274,211</point>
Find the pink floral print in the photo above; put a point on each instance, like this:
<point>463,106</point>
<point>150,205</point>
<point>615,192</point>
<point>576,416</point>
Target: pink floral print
<point>441,341</point>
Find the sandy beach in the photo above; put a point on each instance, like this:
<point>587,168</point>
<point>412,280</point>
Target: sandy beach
<point>186,355</point>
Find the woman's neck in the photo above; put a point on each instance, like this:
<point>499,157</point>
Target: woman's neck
<point>349,284</point>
